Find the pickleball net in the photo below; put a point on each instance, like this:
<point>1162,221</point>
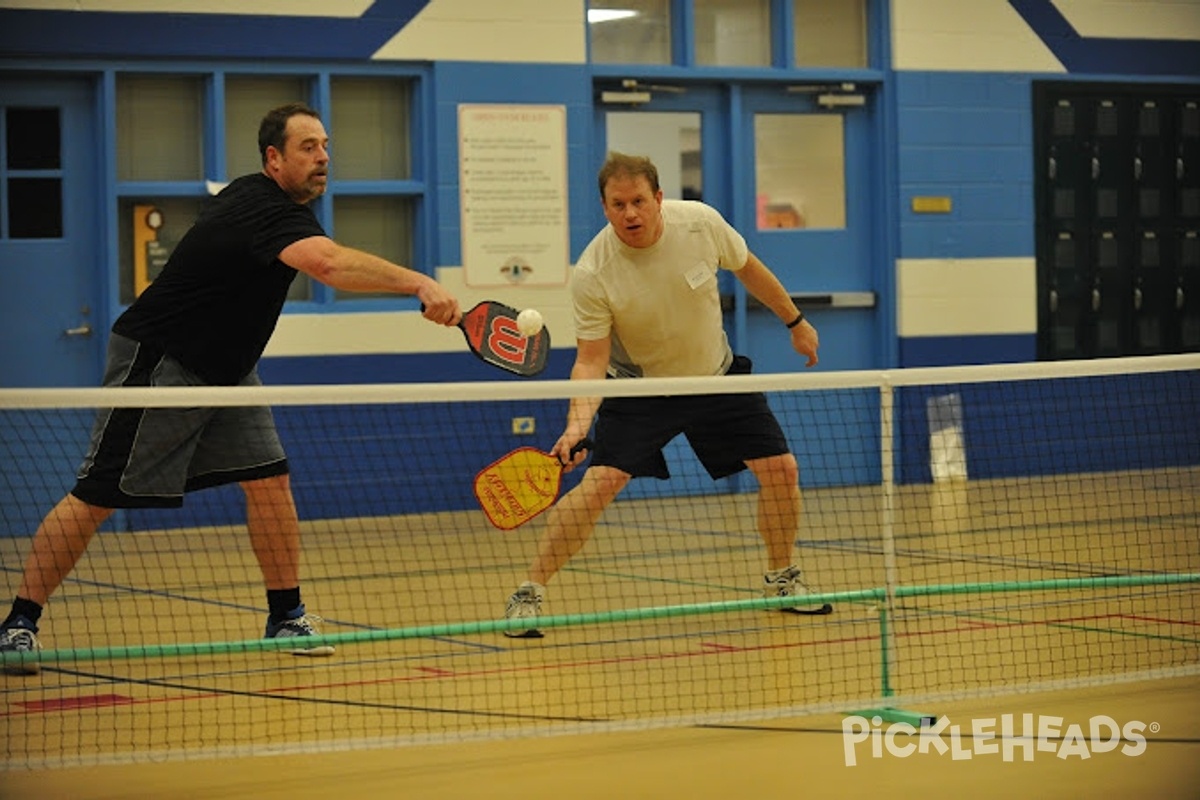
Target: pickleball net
<point>978,530</point>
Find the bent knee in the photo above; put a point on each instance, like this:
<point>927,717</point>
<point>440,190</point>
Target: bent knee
<point>781,470</point>
<point>604,482</point>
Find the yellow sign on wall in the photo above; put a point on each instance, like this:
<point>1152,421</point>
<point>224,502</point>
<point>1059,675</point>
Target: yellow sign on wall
<point>149,255</point>
<point>931,205</point>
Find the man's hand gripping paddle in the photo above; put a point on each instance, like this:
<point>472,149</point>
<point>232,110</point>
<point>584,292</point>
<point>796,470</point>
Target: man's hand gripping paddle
<point>491,331</point>
<point>517,487</point>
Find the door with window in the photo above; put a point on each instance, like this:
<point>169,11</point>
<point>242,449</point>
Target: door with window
<point>805,161</point>
<point>51,303</point>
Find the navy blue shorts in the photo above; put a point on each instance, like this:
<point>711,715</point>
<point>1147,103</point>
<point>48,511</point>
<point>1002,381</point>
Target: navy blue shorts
<point>724,430</point>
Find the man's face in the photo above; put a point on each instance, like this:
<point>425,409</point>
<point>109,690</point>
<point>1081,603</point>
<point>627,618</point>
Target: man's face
<point>302,169</point>
<point>634,211</point>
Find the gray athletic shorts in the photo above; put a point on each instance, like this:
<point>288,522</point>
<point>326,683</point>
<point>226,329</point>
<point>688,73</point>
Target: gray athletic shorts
<point>149,457</point>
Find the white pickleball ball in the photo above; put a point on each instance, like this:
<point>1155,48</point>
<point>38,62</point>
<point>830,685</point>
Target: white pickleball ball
<point>529,322</point>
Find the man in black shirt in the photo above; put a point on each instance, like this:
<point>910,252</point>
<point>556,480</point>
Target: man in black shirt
<point>206,320</point>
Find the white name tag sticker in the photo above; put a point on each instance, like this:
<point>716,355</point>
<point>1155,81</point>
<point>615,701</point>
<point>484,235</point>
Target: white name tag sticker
<point>698,275</point>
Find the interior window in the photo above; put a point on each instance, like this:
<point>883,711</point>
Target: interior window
<point>830,33</point>
<point>247,98</point>
<point>630,31</point>
<point>799,167</point>
<point>379,225</point>
<point>670,139</point>
<point>369,127</point>
<point>33,144</point>
<point>160,123</point>
<point>733,32</point>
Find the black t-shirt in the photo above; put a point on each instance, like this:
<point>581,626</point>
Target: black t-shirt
<point>217,300</point>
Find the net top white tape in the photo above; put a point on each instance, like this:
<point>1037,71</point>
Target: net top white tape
<point>94,397</point>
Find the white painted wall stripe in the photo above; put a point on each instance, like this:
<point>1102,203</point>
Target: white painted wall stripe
<point>966,297</point>
<point>1145,19</point>
<point>513,31</point>
<point>979,36</point>
<point>401,332</point>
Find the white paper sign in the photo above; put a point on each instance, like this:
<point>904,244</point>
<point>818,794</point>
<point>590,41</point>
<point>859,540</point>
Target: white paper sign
<point>513,178</point>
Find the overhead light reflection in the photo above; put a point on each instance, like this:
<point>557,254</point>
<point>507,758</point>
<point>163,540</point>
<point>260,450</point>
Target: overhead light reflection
<point>609,14</point>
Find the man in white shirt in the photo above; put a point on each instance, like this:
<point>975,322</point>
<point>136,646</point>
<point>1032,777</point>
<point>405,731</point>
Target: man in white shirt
<point>647,305</point>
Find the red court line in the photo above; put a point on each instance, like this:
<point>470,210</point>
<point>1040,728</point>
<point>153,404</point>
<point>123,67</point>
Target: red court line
<point>75,703</point>
<point>1161,621</point>
<point>446,673</point>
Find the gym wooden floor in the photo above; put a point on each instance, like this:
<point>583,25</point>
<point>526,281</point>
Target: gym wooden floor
<point>480,715</point>
<point>789,758</point>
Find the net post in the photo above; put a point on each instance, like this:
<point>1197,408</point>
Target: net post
<point>887,529</point>
<point>887,661</point>
<point>916,719</point>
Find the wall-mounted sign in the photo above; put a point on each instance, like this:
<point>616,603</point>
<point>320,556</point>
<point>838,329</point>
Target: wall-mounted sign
<point>149,254</point>
<point>513,194</point>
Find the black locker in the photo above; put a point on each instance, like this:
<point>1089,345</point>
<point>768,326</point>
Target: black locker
<point>1080,312</point>
<point>1153,262</point>
<point>1187,246</point>
<point>1118,210</point>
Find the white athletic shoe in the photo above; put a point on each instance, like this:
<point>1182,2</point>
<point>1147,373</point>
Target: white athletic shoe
<point>789,582</point>
<point>524,603</point>
<point>298,627</point>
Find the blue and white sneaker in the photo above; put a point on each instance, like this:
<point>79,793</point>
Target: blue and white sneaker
<point>789,582</point>
<point>298,625</point>
<point>20,636</point>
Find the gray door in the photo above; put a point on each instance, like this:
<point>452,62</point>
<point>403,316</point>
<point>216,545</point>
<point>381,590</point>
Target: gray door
<point>53,327</point>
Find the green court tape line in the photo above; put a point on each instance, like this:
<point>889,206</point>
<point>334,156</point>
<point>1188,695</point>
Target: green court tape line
<point>567,620</point>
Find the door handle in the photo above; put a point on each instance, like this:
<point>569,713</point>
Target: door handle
<point>1179,298</point>
<point>1053,301</point>
<point>1095,299</point>
<point>1137,299</point>
<point>84,330</point>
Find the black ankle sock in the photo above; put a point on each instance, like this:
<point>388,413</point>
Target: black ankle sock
<point>280,602</point>
<point>24,608</point>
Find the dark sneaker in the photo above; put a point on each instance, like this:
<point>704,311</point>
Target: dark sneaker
<point>298,625</point>
<point>20,636</point>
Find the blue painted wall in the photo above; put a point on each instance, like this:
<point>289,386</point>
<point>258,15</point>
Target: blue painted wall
<point>969,137</point>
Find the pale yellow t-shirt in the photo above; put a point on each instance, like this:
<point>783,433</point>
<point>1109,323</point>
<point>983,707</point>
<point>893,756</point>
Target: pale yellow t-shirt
<point>660,303</point>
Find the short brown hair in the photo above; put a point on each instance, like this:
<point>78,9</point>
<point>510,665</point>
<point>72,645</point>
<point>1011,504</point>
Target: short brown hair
<point>627,166</point>
<point>272,129</point>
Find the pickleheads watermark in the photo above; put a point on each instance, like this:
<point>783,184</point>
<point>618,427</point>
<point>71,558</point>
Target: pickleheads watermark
<point>1009,737</point>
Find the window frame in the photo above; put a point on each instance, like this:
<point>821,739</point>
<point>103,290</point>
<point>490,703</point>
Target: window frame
<point>417,188</point>
<point>682,46</point>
